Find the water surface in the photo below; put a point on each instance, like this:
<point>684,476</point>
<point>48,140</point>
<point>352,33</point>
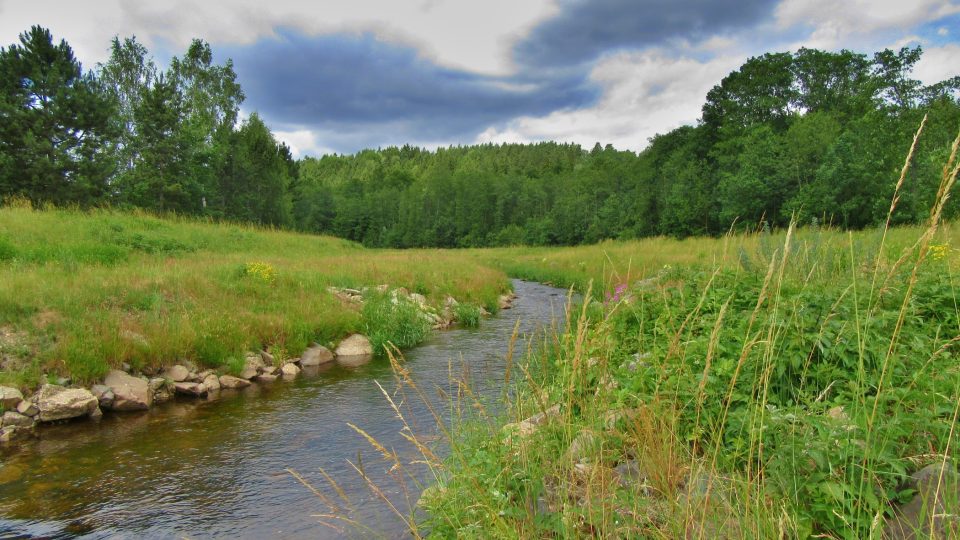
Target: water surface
<point>195,469</point>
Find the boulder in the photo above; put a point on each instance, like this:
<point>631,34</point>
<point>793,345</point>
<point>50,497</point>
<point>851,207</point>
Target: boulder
<point>254,361</point>
<point>159,390</point>
<point>267,358</point>
<point>418,299</point>
<point>10,397</point>
<point>355,345</point>
<point>528,427</point>
<point>505,301</point>
<point>104,395</point>
<point>130,393</point>
<point>11,433</point>
<point>11,418</point>
<point>212,382</point>
<point>583,447</point>
<point>932,511</point>
<point>229,381</point>
<point>58,403</point>
<point>27,408</point>
<point>265,377</point>
<point>270,370</point>
<point>177,373</point>
<point>290,370</point>
<point>249,373</point>
<point>316,355</point>
<point>190,388</point>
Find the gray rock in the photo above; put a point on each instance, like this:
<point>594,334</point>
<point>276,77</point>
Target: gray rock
<point>249,373</point>
<point>505,301</point>
<point>203,374</point>
<point>190,388</point>
<point>104,395</point>
<point>583,446</point>
<point>254,361</point>
<point>97,414</point>
<point>11,418</point>
<point>629,473</point>
<point>419,299</point>
<point>58,403</point>
<point>10,397</point>
<point>212,382</point>
<point>159,390</point>
<point>9,434</point>
<point>229,381</point>
<point>269,370</point>
<point>27,408</point>
<point>936,503</point>
<point>267,358</point>
<point>355,345</point>
<point>265,377</point>
<point>177,373</point>
<point>525,428</point>
<point>316,355</point>
<point>290,370</point>
<point>130,393</point>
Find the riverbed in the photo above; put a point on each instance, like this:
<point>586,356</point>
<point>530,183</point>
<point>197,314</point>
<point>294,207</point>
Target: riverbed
<point>219,469</point>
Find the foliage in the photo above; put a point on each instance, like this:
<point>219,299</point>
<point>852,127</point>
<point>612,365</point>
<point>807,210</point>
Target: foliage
<point>392,322</point>
<point>91,290</point>
<point>467,314</point>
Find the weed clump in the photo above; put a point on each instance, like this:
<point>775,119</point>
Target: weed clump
<point>390,320</point>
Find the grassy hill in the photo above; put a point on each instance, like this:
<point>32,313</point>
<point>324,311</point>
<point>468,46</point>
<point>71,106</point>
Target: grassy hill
<point>83,291</point>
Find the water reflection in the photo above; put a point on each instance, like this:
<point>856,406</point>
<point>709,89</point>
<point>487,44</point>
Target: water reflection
<point>217,469</point>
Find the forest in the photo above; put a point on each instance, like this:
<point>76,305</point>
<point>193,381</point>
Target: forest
<point>814,135</point>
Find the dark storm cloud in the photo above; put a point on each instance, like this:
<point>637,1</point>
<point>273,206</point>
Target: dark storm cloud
<point>584,30</point>
<point>350,83</point>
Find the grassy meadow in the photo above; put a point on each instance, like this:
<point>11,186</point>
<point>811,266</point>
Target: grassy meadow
<point>81,292</point>
<point>765,385</point>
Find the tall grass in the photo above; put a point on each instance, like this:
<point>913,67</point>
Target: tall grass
<point>765,386</point>
<point>87,291</point>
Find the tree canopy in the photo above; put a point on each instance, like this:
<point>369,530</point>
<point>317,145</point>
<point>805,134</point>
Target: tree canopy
<point>811,134</point>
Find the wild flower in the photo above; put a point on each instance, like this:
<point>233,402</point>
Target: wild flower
<point>618,294</point>
<point>939,251</point>
<point>260,271</point>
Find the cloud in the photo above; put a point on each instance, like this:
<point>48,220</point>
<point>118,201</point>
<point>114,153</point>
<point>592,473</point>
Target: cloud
<point>464,35</point>
<point>583,31</point>
<point>938,64</point>
<point>645,93</point>
<point>833,24</point>
<point>373,92</point>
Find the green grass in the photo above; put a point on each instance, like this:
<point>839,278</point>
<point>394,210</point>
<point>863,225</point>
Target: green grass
<point>87,291</point>
<point>765,386</point>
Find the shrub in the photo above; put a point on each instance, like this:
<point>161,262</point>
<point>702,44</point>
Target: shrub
<point>398,322</point>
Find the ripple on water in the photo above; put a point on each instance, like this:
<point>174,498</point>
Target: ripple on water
<point>218,469</point>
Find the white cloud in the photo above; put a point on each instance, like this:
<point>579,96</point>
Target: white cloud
<point>835,23</point>
<point>645,93</point>
<point>938,63</point>
<point>302,142</point>
<point>469,35</point>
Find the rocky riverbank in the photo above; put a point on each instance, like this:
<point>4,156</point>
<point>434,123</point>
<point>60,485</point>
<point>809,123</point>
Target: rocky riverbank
<point>126,390</point>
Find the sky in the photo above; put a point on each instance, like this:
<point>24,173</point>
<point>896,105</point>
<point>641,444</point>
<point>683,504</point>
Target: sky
<point>343,76</point>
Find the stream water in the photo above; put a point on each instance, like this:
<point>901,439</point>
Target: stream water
<point>218,469</point>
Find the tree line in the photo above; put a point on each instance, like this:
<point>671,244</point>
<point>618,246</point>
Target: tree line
<point>130,134</point>
<point>816,135</point>
<point>811,134</point>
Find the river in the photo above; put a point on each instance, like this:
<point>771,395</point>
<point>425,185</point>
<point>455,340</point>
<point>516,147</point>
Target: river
<point>218,469</point>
